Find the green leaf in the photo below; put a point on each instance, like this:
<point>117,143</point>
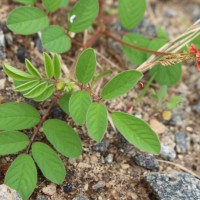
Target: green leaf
<point>162,93</point>
<point>57,66</point>
<point>26,2</point>
<point>96,121</point>
<point>131,12</point>
<point>137,132</point>
<point>22,175</point>
<point>24,86</point>
<point>63,138</point>
<point>17,74</point>
<point>64,102</point>
<point>46,94</point>
<point>174,102</point>
<point>55,40</point>
<point>48,65</point>
<point>86,66</point>
<point>12,141</point>
<point>121,84</point>
<point>49,162</point>
<point>78,106</point>
<point>161,33</point>
<point>31,69</point>
<point>51,5</point>
<point>17,116</point>
<point>37,90</point>
<point>134,55</point>
<point>64,3</point>
<point>82,15</point>
<point>27,20</point>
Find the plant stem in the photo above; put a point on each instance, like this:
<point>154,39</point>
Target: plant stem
<point>42,120</point>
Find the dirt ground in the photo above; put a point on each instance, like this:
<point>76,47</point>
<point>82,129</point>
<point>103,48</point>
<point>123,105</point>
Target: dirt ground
<point>111,173</point>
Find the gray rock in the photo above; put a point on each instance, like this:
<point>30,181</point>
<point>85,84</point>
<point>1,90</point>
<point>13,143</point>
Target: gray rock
<point>41,197</point>
<point>169,12</point>
<point>6,193</point>
<point>198,107</point>
<point>109,158</point>
<point>2,45</point>
<point>182,142</point>
<point>167,152</point>
<point>102,146</point>
<point>99,185</point>
<point>147,161</point>
<point>9,39</point>
<point>81,198</point>
<point>178,117</point>
<point>174,186</point>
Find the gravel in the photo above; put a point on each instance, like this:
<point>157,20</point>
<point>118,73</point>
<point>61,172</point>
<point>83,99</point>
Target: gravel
<point>102,146</point>
<point>167,152</point>
<point>182,142</point>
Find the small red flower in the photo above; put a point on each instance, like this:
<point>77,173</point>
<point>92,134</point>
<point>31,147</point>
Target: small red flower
<point>192,49</point>
<point>198,55</point>
<point>198,65</point>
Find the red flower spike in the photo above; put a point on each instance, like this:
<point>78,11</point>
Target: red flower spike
<point>192,49</point>
<point>198,65</point>
<point>198,55</point>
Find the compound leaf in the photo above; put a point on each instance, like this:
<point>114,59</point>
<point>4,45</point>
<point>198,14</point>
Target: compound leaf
<point>37,90</point>
<point>31,69</point>
<point>17,74</point>
<point>55,40</point>
<point>86,66</point>
<point>49,162</point>
<point>48,65</point>
<point>24,86</point>
<point>82,15</point>
<point>64,102</point>
<point>46,94</point>
<point>96,121</point>
<point>22,175</point>
<point>63,138</point>
<point>12,141</point>
<point>78,106</point>
<point>57,66</point>
<point>131,12</point>
<point>121,84</point>
<point>137,132</point>
<point>27,20</point>
<point>51,5</point>
<point>17,116</point>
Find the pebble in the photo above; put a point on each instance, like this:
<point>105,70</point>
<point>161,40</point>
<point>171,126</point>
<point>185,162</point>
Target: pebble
<point>2,46</point>
<point>146,161</point>
<point>178,118</point>
<point>102,146</point>
<point>167,152</point>
<point>157,126</point>
<point>81,198</point>
<point>49,189</point>
<point>182,142</point>
<point>99,185</point>
<point>41,197</point>
<point>197,107</point>
<point>173,186</point>
<point>68,188</point>
<point>38,43</point>
<point>169,12</point>
<point>9,39</point>
<point>194,9</point>
<point>7,193</point>
<point>2,83</point>
<point>21,54</point>
<point>109,158</point>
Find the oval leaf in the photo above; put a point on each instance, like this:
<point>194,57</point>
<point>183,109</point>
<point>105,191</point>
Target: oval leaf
<point>64,3</point>
<point>48,64</point>
<point>27,20</point>
<point>131,12</point>
<point>31,69</point>
<point>26,86</point>
<point>17,74</point>
<point>82,15</point>
<point>64,102</point>
<point>86,66</point>
<point>46,94</point>
<point>63,138</point>
<point>57,66</point>
<point>96,121</point>
<point>17,116</point>
<point>12,142</point>
<point>37,90</point>
<point>121,84</point>
<point>55,40</point>
<point>49,162</point>
<point>78,106</point>
<point>134,55</point>
<point>51,5</point>
<point>137,132</point>
<point>22,175</point>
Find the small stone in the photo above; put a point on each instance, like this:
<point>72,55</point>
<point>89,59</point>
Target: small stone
<point>2,83</point>
<point>2,46</point>
<point>194,9</point>
<point>172,186</point>
<point>80,198</point>
<point>94,159</point>
<point>182,142</point>
<point>157,126</point>
<point>109,158</point>
<point>178,118</point>
<point>49,189</point>
<point>102,146</point>
<point>21,54</point>
<point>7,193</point>
<point>169,12</point>
<point>99,185</point>
<point>9,39</point>
<point>68,188</point>
<point>147,161</point>
<point>198,107</point>
<point>38,43</point>
<point>125,166</point>
<point>167,152</point>
<point>41,197</point>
